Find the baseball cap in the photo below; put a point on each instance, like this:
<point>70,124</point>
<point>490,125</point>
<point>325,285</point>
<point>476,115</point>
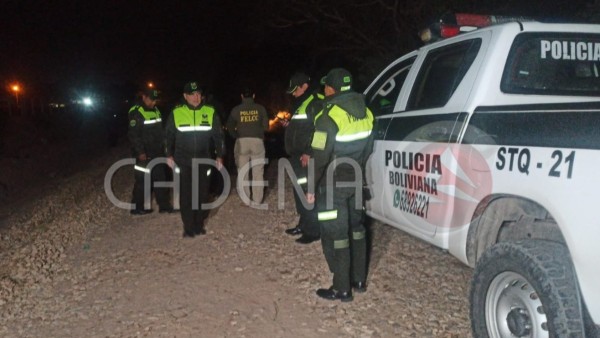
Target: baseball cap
<point>152,93</point>
<point>191,87</point>
<point>297,79</point>
<point>247,92</point>
<point>339,79</point>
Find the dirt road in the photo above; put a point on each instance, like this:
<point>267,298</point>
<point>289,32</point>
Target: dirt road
<point>96,271</point>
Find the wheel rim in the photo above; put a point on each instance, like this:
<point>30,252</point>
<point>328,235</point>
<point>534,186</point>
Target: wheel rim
<point>513,308</point>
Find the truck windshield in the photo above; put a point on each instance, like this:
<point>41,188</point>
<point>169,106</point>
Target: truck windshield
<point>553,64</point>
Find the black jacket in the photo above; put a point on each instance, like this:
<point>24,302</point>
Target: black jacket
<point>145,138</point>
<point>184,146</point>
<point>354,105</point>
<point>248,119</point>
<point>298,133</point>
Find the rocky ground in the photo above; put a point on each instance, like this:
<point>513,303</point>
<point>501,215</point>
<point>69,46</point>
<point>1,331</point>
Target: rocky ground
<point>74,265</point>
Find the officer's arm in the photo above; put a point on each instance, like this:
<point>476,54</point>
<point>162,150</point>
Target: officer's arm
<point>232,123</point>
<point>170,134</point>
<point>322,145</point>
<point>217,136</point>
<point>136,125</point>
<point>312,109</point>
<point>163,139</point>
<point>368,149</point>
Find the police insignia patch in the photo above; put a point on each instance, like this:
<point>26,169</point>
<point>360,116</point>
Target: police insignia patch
<point>132,123</point>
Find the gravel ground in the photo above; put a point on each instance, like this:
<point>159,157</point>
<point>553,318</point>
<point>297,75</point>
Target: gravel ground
<point>73,265</point>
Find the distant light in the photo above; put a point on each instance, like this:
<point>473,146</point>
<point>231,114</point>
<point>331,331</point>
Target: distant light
<point>87,101</point>
<point>150,85</point>
<point>15,88</point>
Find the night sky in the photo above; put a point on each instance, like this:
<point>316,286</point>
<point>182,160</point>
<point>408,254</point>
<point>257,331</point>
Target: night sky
<point>95,43</point>
<point>224,44</point>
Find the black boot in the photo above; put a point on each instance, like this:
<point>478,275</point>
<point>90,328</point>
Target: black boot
<point>307,239</point>
<point>359,287</point>
<point>294,231</point>
<point>332,294</point>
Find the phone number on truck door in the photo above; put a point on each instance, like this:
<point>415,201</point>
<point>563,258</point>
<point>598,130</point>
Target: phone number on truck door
<point>412,202</point>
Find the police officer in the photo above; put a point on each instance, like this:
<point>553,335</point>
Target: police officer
<point>194,132</point>
<point>298,135</point>
<point>147,142</point>
<point>342,139</point>
<point>247,123</point>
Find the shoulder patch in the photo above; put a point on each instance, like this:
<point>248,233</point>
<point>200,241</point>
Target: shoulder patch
<point>132,123</point>
<point>319,140</point>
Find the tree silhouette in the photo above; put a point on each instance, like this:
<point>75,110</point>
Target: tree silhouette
<point>369,34</point>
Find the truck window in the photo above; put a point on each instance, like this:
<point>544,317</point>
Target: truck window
<point>382,97</point>
<point>553,64</point>
<point>441,73</point>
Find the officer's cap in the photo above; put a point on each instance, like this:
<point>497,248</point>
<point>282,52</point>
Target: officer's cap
<point>152,94</point>
<point>191,87</point>
<point>339,79</point>
<point>298,79</point>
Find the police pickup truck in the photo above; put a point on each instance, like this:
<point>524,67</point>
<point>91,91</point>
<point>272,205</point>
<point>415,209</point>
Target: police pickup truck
<point>487,144</point>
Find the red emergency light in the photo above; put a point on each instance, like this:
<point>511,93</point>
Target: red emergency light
<point>452,24</point>
<point>473,20</point>
<point>448,31</point>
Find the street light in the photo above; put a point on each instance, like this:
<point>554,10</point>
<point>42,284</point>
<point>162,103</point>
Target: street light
<point>150,85</point>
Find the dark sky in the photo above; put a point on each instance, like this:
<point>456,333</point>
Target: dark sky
<point>225,44</point>
<point>99,42</point>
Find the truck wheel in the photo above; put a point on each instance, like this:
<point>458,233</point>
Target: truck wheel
<point>526,289</point>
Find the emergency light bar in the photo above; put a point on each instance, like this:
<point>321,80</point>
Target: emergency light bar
<point>452,24</point>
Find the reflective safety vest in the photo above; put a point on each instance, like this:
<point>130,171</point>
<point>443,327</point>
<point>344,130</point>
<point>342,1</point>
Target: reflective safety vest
<point>300,113</point>
<point>150,116</point>
<point>349,128</point>
<point>188,120</point>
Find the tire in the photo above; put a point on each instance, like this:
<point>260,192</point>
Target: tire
<point>526,289</point>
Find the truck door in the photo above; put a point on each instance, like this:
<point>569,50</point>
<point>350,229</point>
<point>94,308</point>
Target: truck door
<point>418,151</point>
<point>382,97</point>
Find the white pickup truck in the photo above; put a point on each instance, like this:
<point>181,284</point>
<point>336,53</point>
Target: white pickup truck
<point>487,144</point>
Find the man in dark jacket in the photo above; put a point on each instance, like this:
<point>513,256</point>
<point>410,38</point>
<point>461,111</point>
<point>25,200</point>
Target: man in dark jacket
<point>298,135</point>
<point>193,131</point>
<point>342,139</point>
<point>147,142</point>
<point>247,123</point>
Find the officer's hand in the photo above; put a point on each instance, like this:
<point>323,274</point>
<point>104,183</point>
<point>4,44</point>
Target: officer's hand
<point>219,163</point>
<point>171,162</point>
<point>310,198</point>
<point>284,122</point>
<point>142,157</point>
<point>304,159</point>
